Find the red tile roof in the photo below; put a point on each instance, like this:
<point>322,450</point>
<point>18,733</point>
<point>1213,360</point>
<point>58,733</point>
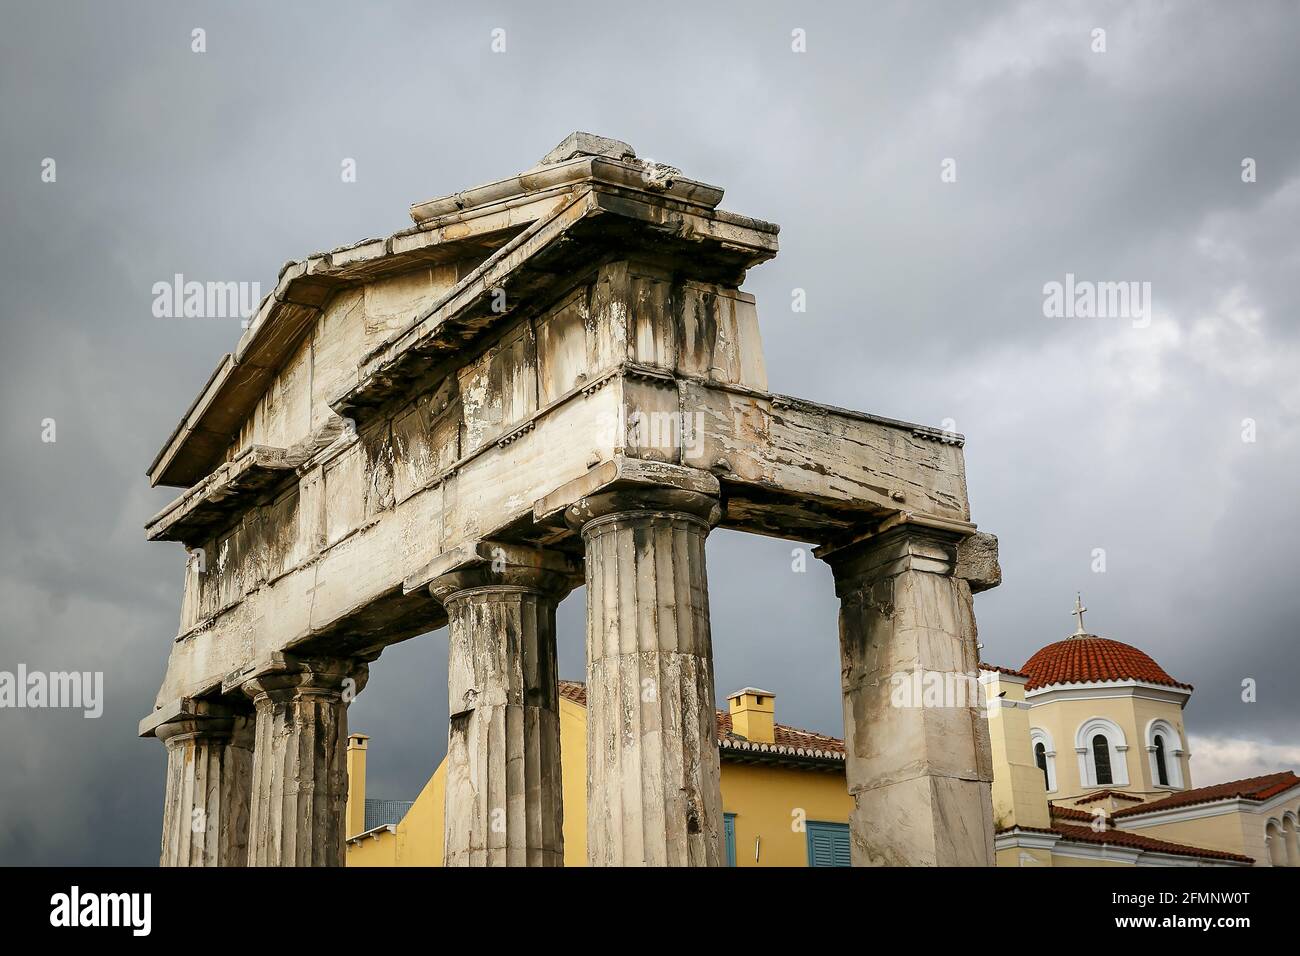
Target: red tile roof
<point>575,691</point>
<point>1087,658</point>
<point>1002,670</point>
<point>1137,841</point>
<point>1103,794</point>
<point>1252,788</point>
<point>786,737</point>
<point>790,741</point>
<point>1070,813</point>
<point>1121,838</point>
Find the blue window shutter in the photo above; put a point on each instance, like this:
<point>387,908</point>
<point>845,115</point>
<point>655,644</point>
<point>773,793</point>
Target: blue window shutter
<point>729,831</point>
<point>828,844</point>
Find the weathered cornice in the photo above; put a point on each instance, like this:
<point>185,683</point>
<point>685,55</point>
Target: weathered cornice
<point>232,488</point>
<point>582,170</point>
<point>226,492</point>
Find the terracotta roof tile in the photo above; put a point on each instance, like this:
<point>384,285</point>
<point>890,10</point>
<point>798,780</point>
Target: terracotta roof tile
<point>1069,813</point>
<point>1137,841</point>
<point>1103,794</point>
<point>1251,788</point>
<point>790,741</point>
<point>1087,658</point>
<point>574,691</point>
<point>786,737</point>
<point>1132,841</point>
<point>1002,670</point>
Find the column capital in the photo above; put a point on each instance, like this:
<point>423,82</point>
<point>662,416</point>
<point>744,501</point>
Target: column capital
<point>188,727</point>
<point>904,547</point>
<point>482,566</point>
<point>917,543</point>
<point>191,717</point>
<point>288,675</point>
<point>641,500</point>
<point>233,730</point>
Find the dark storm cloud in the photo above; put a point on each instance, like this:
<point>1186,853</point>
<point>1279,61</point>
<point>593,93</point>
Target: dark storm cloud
<point>924,303</point>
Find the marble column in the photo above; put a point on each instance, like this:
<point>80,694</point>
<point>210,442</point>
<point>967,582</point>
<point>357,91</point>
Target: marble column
<point>919,765</point>
<point>504,800</point>
<point>653,794</point>
<point>209,774</point>
<point>299,771</point>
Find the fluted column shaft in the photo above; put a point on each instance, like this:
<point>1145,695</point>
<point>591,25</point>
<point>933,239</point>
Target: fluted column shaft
<point>300,761</point>
<point>919,766</point>
<point>205,808</point>
<point>653,793</point>
<point>504,801</point>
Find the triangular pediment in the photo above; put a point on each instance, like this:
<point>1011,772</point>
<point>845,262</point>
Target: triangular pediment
<point>589,196</point>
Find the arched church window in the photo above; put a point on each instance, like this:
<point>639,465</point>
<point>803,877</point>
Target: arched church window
<point>1164,746</point>
<point>1101,759</point>
<point>1040,758</point>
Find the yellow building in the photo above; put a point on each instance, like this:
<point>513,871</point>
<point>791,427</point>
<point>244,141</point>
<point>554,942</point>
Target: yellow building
<point>784,797</point>
<point>1091,768</point>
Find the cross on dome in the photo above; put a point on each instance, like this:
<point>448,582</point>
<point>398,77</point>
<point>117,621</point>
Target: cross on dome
<point>1078,612</point>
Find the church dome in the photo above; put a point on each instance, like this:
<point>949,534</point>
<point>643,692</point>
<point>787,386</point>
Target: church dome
<point>1086,657</point>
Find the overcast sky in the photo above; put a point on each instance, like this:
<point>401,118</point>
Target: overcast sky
<point>924,302</point>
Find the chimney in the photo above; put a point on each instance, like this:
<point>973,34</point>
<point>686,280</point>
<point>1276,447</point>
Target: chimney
<point>753,714</point>
<point>356,812</point>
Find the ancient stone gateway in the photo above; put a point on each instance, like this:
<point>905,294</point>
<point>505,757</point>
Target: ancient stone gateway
<point>550,378</point>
